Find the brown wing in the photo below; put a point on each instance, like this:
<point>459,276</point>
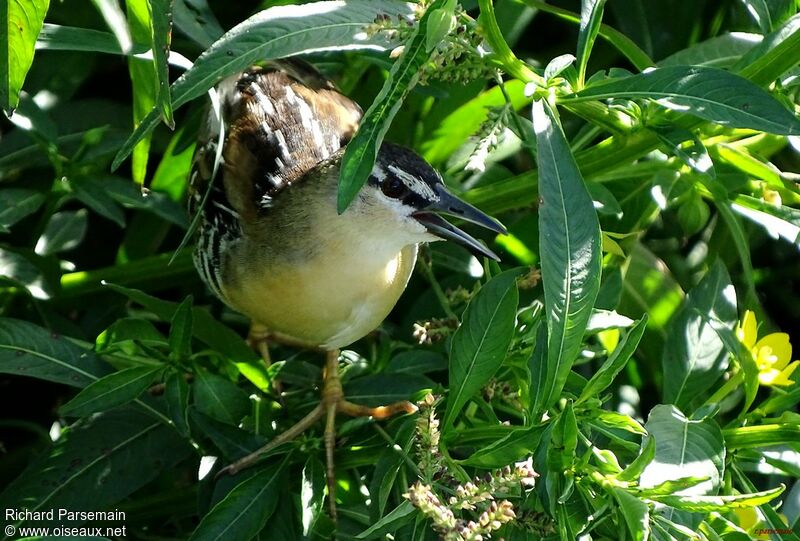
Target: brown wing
<point>279,120</point>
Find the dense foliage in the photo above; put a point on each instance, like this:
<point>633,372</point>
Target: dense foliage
<point>621,374</point>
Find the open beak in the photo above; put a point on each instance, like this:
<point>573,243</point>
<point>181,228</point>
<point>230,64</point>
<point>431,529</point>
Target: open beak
<point>452,205</point>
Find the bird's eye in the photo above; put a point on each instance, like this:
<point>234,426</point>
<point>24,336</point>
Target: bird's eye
<point>394,187</point>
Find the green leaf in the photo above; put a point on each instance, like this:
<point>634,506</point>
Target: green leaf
<point>710,93</point>
<point>481,342</point>
<point>127,330</point>
<point>161,38</point>
<point>176,395</point>
<point>759,11</point>
<point>180,332</point>
<point>277,32</point>
<point>204,327</point>
<point>29,350</point>
<point>694,356</point>
<point>394,519</point>
<point>219,398</point>
<point>95,464</point>
<point>720,504</point>
<point>91,193</point>
<point>719,52</point>
<point>312,493</point>
<point>465,121</point>
<point>64,231</point>
<point>591,18</point>
<point>633,470</point>
<point>54,37</point>
<point>362,150</point>
<point>777,53</point>
<point>143,80</point>
<point>234,443</point>
<point>635,513</point>
<point>245,509</point>
<point>695,155</point>
<point>518,444</point>
<point>17,203</point>
<point>440,23</point>
<point>684,448</point>
<point>23,21</point>
<point>615,363</point>
<point>114,17</point>
<point>112,390</point>
<point>570,248</point>
<point>381,389</point>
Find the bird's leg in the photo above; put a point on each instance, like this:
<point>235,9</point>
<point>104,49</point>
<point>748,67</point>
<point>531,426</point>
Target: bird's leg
<point>331,403</point>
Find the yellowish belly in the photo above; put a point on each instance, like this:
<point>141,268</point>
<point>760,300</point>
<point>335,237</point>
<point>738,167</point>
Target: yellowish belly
<point>330,302</point>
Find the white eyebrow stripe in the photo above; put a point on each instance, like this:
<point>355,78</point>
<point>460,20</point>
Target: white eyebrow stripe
<point>416,185</point>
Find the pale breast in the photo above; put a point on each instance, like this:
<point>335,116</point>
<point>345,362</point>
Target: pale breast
<point>329,302</point>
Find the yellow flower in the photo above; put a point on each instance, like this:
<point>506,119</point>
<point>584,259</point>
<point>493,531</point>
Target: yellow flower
<point>771,354</point>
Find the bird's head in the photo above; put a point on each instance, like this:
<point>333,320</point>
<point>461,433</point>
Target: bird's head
<point>405,185</point>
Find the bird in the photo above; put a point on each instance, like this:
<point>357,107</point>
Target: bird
<point>271,244</point>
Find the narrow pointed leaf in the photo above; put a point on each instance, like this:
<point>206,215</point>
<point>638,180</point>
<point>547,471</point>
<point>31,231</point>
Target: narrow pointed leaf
<point>246,508</point>
<point>570,248</point>
<point>359,157</point>
<point>591,18</point>
<point>710,93</point>
<point>277,32</point>
<point>112,390</point>
<point>161,20</point>
<point>481,342</point>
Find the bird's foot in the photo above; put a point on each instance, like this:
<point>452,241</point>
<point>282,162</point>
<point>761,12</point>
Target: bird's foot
<point>331,403</point>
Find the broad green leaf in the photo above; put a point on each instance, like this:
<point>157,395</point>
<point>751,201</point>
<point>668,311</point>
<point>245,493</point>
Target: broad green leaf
<point>518,444</point>
<point>570,249</point>
<point>481,342</point>
<point>615,363</point>
<point>22,23</point>
<point>245,509</point>
<point>180,332</point>
<point>176,395</point>
<point>710,93</point>
<point>17,203</point>
<point>204,327</point>
<point>64,231</point>
<point>591,18</point>
<point>277,32</point>
<point>719,52</point>
<point>219,398</point>
<point>694,357</point>
<point>95,464</point>
<point>312,493</point>
<point>635,513</point>
<point>394,519</point>
<point>362,150</point>
<point>112,390</point>
<point>777,53</point>
<point>417,361</point>
<point>55,37</point>
<point>684,448</point>
<point>388,466</point>
<point>440,22</point>
<point>195,19</point>
<point>143,81</point>
<point>29,350</point>
<point>161,39</point>
<point>710,504</point>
